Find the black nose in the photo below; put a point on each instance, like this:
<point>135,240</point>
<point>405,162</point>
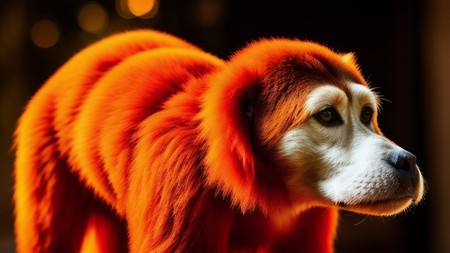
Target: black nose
<point>402,160</point>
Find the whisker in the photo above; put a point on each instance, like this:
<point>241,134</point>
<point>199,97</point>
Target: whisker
<point>359,223</point>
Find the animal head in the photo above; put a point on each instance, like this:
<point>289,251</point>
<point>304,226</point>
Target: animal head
<point>292,121</point>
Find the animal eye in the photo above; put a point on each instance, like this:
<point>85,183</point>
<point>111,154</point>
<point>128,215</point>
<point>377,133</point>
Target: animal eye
<point>366,115</point>
<point>328,117</point>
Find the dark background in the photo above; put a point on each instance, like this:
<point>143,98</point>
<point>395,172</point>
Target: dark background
<point>395,42</point>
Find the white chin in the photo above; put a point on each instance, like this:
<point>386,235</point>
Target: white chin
<point>379,207</point>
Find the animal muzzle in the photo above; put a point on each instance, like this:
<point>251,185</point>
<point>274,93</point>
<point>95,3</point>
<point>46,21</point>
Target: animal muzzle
<point>404,164</point>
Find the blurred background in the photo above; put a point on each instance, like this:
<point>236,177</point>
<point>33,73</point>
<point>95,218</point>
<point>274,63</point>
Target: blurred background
<point>403,48</point>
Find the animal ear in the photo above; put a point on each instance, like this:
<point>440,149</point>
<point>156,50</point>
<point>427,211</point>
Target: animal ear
<point>349,58</point>
<point>226,112</point>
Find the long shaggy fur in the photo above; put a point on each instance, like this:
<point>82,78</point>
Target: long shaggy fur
<point>153,145</point>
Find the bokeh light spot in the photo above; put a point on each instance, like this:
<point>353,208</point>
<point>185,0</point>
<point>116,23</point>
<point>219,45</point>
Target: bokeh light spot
<point>140,7</point>
<point>44,33</point>
<point>92,18</point>
<point>122,9</point>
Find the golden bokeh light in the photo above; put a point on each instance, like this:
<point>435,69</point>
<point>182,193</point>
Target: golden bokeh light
<point>152,12</point>
<point>44,33</point>
<point>93,18</point>
<point>140,7</point>
<point>122,9</point>
<point>144,9</point>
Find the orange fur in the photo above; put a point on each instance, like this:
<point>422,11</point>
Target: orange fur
<point>173,146</point>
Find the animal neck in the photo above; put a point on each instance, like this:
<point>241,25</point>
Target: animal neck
<point>310,230</point>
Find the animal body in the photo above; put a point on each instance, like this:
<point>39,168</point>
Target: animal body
<point>144,143</point>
